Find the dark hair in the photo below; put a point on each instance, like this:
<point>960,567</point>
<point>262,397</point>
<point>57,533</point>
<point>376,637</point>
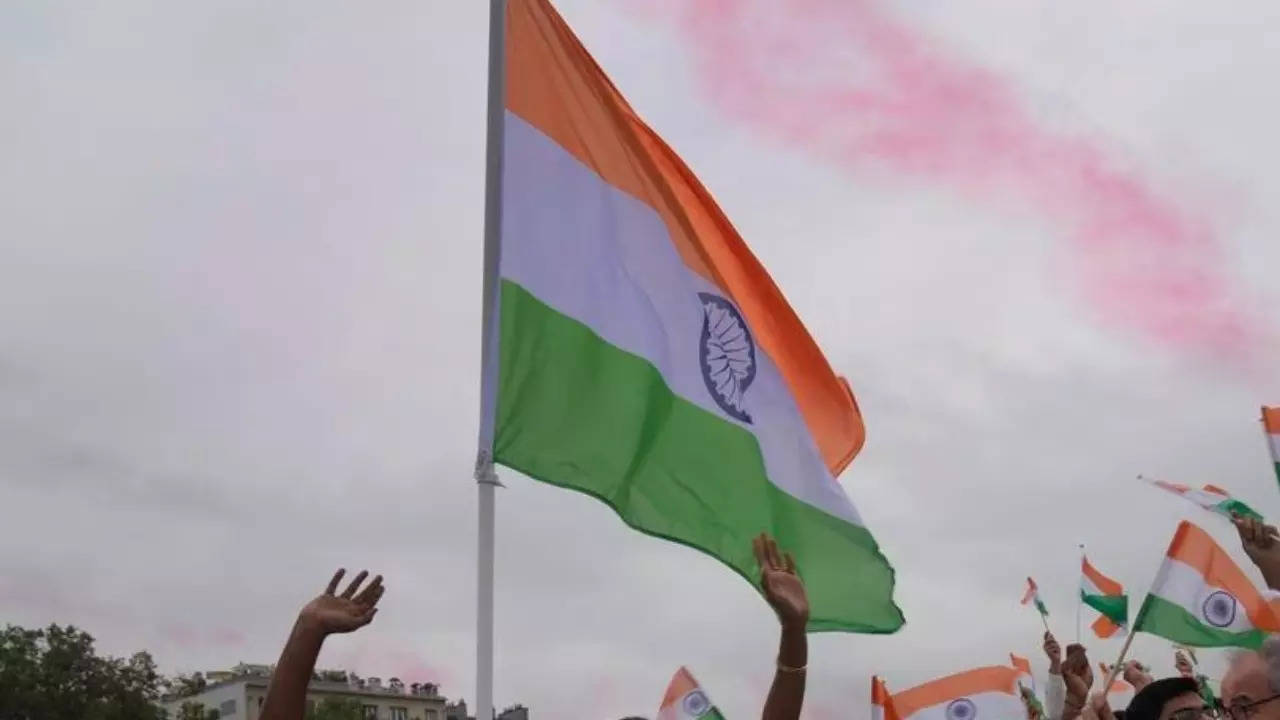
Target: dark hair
<point>1150,701</point>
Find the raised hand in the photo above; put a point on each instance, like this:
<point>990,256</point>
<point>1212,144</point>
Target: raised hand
<point>329,613</point>
<point>1183,665</point>
<point>782,587</point>
<point>1077,691</point>
<point>353,609</point>
<point>1262,544</point>
<point>1053,651</point>
<point>1136,675</point>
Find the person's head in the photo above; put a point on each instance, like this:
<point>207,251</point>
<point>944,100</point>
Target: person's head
<point>1175,698</point>
<point>1077,663</point>
<point>1250,686</point>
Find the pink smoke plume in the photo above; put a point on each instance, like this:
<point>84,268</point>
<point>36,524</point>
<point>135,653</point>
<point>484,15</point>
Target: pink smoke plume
<point>848,82</point>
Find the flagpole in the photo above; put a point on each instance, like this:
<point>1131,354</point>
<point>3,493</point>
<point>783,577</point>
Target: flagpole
<point>485,476</point>
<point>1079,596</point>
<point>1119,666</point>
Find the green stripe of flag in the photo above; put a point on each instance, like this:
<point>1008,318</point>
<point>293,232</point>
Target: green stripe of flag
<point>1115,607</point>
<point>577,412</point>
<point>1172,622</point>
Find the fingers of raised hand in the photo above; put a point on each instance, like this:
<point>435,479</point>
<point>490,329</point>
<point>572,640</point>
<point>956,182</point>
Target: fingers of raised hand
<point>767,554</point>
<point>1266,535</point>
<point>355,584</point>
<point>368,597</point>
<point>762,555</point>
<point>333,583</point>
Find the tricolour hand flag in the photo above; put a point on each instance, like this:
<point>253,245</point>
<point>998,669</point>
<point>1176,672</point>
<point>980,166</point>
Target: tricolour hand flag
<point>1107,597</point>
<point>1202,598</point>
<point>685,700</point>
<point>1210,497</point>
<point>1032,595</point>
<point>639,353</point>
<point>882,707</point>
<point>1271,425</point>
<point>1120,692</point>
<point>989,692</point>
<point>1023,666</point>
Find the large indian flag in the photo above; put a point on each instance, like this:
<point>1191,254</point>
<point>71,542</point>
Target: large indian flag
<point>1106,596</point>
<point>989,693</point>
<point>1271,425</point>
<point>1202,598</point>
<point>685,700</point>
<point>640,354</point>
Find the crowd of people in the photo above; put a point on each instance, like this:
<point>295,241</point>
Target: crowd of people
<point>1250,690</point>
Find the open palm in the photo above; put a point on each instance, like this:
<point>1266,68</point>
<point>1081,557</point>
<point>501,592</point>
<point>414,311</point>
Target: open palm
<point>351,610</point>
<point>782,587</point>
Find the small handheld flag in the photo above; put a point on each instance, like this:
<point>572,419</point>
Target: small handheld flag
<point>685,700</point>
<point>989,692</point>
<point>1121,690</point>
<point>1271,425</point>
<point>1202,598</point>
<point>881,701</point>
<point>1107,597</point>
<point>1032,595</point>
<point>1210,497</point>
<point>1023,666</point>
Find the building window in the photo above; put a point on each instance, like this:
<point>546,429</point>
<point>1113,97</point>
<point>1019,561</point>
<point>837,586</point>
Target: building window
<point>370,712</point>
<point>399,713</point>
<point>432,715</point>
<point>227,709</point>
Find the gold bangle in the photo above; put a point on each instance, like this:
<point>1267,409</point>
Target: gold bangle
<point>792,670</point>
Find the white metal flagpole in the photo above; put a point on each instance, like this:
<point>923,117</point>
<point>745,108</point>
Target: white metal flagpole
<point>1079,595</point>
<point>486,479</point>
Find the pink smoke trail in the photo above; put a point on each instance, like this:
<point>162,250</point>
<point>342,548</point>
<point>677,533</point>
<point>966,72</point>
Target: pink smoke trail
<point>849,83</point>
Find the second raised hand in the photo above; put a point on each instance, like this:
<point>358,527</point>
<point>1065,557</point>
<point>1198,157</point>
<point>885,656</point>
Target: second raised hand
<point>783,588</point>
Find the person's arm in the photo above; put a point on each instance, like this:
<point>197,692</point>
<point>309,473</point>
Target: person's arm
<point>1055,691</point>
<point>1260,544</point>
<point>784,590</point>
<point>1055,695</point>
<point>327,614</point>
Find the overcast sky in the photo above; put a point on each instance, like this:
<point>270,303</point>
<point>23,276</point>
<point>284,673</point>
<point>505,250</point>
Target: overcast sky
<point>240,254</point>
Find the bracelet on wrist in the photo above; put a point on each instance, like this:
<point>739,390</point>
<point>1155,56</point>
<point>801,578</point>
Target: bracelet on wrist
<point>782,667</point>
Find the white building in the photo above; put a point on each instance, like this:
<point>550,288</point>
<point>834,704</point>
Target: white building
<point>238,695</point>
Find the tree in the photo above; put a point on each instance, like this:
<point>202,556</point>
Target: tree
<point>54,674</point>
<point>188,685</point>
<point>336,709</point>
<point>191,710</point>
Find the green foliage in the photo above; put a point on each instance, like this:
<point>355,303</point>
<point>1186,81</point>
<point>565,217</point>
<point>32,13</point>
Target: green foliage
<point>195,711</point>
<point>336,709</point>
<point>188,685</point>
<point>54,674</point>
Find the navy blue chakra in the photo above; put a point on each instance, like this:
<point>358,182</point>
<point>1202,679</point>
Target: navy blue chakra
<point>727,355</point>
<point>696,704</point>
<point>962,709</point>
<point>1220,609</point>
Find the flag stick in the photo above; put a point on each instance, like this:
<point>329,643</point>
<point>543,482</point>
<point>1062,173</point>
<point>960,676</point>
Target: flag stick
<point>1045,621</point>
<point>1115,669</point>
<point>486,479</point>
